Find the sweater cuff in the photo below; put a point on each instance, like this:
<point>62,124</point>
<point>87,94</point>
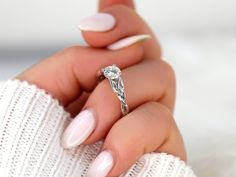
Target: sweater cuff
<point>159,165</point>
<point>31,124</point>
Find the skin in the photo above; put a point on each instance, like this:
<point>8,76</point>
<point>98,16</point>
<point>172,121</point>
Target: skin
<point>71,77</point>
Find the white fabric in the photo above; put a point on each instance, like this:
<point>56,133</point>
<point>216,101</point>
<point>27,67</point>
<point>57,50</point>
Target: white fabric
<point>31,124</point>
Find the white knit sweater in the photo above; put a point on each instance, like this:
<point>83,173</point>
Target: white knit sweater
<point>31,124</point>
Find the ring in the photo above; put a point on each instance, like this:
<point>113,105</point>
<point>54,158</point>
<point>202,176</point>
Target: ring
<point>113,74</point>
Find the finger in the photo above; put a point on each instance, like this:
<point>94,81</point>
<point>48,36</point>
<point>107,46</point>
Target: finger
<point>118,22</point>
<point>75,70</point>
<point>103,4</point>
<point>143,83</point>
<point>146,129</point>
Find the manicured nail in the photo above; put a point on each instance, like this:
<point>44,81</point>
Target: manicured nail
<point>99,22</point>
<point>102,165</point>
<point>128,41</point>
<point>79,129</point>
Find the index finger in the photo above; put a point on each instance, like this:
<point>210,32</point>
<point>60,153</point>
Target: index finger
<point>67,74</point>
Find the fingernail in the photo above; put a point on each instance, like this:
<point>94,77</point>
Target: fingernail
<point>99,22</point>
<point>102,165</point>
<point>128,41</point>
<point>79,129</point>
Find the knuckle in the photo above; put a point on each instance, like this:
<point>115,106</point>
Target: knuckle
<point>169,70</point>
<point>165,66</point>
<point>166,70</point>
<point>160,112</point>
<point>71,53</point>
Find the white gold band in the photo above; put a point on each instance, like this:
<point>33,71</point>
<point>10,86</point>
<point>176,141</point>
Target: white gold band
<point>113,74</point>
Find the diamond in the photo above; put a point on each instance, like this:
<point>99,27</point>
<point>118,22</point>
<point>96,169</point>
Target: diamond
<point>112,72</point>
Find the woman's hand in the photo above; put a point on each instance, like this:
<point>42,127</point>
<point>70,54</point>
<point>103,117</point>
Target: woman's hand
<point>71,77</point>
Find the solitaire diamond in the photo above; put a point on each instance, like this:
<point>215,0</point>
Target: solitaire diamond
<point>112,72</point>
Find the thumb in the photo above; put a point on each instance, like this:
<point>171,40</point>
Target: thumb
<point>108,3</point>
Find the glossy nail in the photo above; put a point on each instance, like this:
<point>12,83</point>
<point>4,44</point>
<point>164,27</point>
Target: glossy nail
<point>126,42</point>
<point>99,22</point>
<point>102,165</point>
<point>79,129</point>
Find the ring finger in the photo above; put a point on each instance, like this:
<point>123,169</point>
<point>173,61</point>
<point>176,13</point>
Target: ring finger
<point>145,82</point>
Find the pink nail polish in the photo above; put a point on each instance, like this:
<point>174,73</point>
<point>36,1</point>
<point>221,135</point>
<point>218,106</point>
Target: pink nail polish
<point>126,42</point>
<point>102,165</point>
<point>99,22</point>
<point>79,129</point>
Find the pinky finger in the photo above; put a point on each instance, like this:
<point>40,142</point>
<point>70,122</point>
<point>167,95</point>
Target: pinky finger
<point>148,128</point>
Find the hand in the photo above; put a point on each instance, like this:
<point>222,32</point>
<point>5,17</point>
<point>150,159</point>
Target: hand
<point>149,85</point>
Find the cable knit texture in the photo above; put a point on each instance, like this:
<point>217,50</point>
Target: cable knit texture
<point>31,124</point>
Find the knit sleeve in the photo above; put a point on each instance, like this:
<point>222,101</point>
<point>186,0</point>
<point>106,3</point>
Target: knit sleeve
<point>31,124</point>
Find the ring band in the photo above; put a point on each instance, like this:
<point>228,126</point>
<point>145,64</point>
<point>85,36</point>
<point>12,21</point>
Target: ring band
<point>113,74</point>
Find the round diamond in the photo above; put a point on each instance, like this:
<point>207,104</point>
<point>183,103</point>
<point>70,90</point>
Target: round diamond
<point>112,72</point>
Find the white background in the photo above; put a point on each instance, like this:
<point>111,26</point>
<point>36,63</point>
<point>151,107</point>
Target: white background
<point>198,38</point>
<point>45,21</point>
